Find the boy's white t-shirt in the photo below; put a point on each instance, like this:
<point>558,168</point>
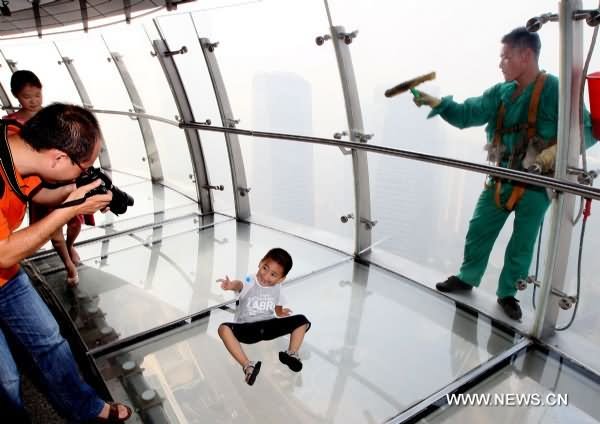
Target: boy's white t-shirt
<point>256,302</point>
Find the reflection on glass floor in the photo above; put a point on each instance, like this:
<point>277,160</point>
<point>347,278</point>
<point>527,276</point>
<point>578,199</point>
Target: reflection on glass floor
<point>148,308</point>
<point>150,278</point>
<point>563,395</point>
<point>147,235</point>
<point>377,345</point>
<point>154,203</point>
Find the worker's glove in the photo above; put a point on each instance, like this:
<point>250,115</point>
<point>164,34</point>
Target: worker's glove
<point>544,161</point>
<point>421,98</point>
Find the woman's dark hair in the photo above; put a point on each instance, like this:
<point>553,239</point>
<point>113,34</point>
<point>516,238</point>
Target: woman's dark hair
<point>282,257</point>
<point>68,128</point>
<point>20,79</point>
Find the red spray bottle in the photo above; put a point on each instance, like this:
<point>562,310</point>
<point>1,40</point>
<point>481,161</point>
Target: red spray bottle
<point>593,81</point>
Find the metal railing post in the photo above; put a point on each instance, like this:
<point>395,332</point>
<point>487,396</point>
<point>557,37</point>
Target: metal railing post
<point>154,165</point>
<point>238,174</point>
<point>362,198</point>
<point>563,207</point>
<point>166,59</point>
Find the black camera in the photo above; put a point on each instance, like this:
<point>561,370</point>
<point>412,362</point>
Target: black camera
<point>120,200</point>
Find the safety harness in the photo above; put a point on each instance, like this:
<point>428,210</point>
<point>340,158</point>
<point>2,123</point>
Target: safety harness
<point>6,161</point>
<point>519,150</point>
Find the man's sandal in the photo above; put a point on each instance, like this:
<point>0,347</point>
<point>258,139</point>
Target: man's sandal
<point>113,414</point>
<point>251,370</point>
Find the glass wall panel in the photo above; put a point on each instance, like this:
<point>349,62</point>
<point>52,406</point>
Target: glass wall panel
<point>42,58</point>
<point>287,193</point>
<point>423,216</point>
<point>106,91</point>
<point>581,338</point>
<point>124,142</point>
<point>179,31</point>
<point>148,199</point>
<point>174,158</point>
<point>5,75</point>
<point>279,80</point>
<point>145,70</point>
<point>96,70</point>
<point>122,135</point>
<point>422,210</point>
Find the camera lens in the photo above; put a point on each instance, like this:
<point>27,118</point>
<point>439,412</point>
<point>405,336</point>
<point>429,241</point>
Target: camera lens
<point>120,201</point>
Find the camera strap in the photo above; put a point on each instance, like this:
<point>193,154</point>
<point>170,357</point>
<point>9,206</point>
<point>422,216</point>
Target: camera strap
<point>71,203</point>
<point>6,161</point>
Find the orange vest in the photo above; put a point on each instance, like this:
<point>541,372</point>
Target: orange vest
<point>12,211</point>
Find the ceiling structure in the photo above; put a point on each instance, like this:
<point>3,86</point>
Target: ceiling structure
<point>18,17</point>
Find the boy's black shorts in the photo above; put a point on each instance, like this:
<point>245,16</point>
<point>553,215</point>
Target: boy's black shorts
<point>269,329</point>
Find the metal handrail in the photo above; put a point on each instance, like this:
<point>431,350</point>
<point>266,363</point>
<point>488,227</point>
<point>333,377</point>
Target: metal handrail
<point>495,171</point>
<point>524,177</point>
<point>118,112</point>
<point>137,115</point>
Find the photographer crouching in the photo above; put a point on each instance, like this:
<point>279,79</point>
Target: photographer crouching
<point>57,145</point>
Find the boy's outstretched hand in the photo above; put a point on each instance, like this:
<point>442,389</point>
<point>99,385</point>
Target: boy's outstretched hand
<point>227,284</point>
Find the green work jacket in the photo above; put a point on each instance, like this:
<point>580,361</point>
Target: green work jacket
<point>483,110</point>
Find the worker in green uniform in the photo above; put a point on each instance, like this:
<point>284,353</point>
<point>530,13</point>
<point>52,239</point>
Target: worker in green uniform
<point>521,116</point>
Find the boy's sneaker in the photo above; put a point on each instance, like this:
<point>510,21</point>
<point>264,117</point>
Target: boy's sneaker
<point>511,307</point>
<point>251,372</point>
<point>453,284</point>
<point>291,359</point>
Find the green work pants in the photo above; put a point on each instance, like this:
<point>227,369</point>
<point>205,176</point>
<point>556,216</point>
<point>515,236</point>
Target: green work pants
<point>486,223</point>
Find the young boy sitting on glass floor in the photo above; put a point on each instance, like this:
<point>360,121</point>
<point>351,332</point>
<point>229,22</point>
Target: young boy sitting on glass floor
<point>261,316</point>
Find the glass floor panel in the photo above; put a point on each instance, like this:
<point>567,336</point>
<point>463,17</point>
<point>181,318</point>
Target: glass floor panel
<point>98,250</point>
<point>128,290</point>
<point>153,203</point>
<point>549,391</point>
<point>377,345</point>
<point>148,198</point>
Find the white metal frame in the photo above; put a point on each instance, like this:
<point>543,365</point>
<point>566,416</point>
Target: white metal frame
<point>241,192</point>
